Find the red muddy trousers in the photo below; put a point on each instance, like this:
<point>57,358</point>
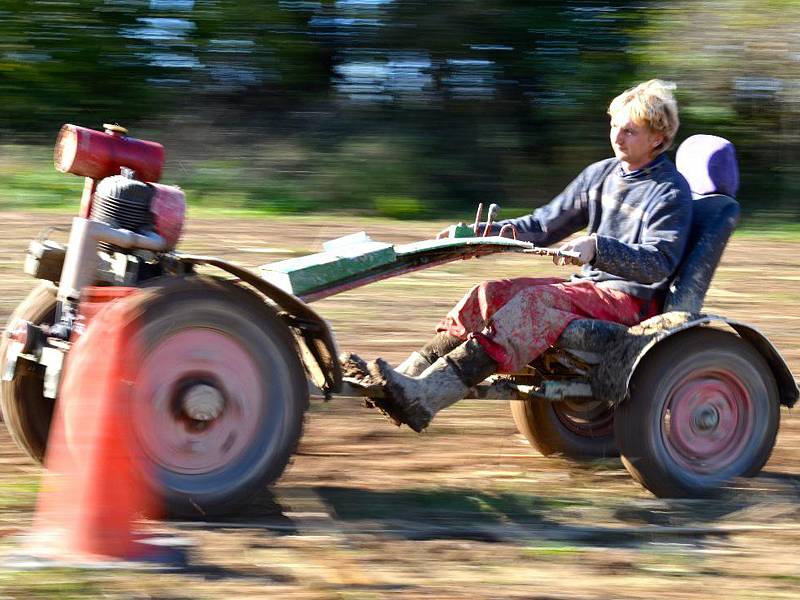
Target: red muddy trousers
<point>516,320</point>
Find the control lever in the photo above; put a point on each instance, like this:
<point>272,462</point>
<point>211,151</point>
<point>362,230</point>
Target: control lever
<point>490,217</point>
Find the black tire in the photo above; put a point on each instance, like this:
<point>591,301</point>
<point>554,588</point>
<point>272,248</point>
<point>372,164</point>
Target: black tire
<point>26,412</point>
<point>703,410</point>
<point>579,431</point>
<point>200,330</point>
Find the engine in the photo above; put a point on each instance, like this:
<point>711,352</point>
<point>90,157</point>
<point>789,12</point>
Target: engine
<point>121,181</point>
<point>124,202</point>
<point>127,222</point>
<point>124,212</point>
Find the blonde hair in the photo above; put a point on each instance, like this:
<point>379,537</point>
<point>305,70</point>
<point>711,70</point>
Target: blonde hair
<point>653,105</point>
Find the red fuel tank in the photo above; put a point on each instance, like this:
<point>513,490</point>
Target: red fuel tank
<point>99,154</point>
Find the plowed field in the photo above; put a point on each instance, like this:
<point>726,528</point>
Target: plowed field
<point>468,509</point>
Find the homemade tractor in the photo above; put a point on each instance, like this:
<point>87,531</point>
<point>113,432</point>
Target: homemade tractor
<point>688,400</point>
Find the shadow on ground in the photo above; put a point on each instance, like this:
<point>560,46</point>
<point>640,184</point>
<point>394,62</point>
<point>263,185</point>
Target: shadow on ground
<point>501,517</point>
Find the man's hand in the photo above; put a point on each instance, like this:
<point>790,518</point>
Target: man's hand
<point>457,230</point>
<point>444,232</point>
<point>585,246</point>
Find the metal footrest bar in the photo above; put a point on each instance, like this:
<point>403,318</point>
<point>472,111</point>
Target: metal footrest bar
<point>498,388</point>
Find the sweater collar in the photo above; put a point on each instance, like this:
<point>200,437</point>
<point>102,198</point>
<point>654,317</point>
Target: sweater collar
<point>647,170</point>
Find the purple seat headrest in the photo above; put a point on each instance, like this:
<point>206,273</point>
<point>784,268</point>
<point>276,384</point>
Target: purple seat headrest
<point>709,165</point>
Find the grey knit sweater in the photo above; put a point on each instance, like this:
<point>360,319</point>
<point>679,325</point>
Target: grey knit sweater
<point>641,220</point>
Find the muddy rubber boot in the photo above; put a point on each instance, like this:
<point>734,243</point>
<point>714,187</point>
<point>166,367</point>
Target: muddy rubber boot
<point>419,360</point>
<point>414,365</point>
<point>353,366</point>
<point>415,400</point>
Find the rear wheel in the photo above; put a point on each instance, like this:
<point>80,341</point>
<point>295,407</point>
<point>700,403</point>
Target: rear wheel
<point>576,430</point>
<point>26,411</point>
<point>703,409</point>
<point>219,395</point>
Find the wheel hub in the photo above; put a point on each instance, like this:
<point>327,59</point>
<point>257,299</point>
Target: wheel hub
<point>587,419</point>
<point>200,397</point>
<point>705,418</point>
<point>202,402</point>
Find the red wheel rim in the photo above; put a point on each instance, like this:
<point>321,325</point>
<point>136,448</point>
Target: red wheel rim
<point>590,420</point>
<point>183,359</point>
<point>707,420</point>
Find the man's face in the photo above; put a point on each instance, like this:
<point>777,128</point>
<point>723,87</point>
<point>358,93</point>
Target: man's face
<point>635,145</point>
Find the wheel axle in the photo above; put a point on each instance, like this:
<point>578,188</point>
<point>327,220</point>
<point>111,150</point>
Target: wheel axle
<point>705,418</point>
<point>202,402</point>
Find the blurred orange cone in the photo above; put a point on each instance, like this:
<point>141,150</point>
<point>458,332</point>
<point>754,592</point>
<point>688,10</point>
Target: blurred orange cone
<point>95,488</point>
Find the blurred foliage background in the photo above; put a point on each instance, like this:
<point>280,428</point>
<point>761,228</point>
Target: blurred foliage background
<point>404,108</point>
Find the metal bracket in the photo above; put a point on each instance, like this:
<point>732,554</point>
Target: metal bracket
<point>53,361</point>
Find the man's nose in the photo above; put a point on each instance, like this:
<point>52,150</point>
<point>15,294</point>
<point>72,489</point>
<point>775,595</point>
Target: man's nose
<point>616,135</point>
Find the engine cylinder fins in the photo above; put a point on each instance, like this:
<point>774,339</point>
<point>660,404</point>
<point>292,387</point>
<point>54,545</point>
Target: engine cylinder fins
<point>123,202</point>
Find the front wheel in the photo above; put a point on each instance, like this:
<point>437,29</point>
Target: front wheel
<point>703,410</point>
<point>219,396</point>
<point>26,411</point>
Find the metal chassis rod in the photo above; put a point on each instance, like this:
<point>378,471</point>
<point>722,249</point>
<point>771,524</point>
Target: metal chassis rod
<point>495,388</point>
<point>430,253</point>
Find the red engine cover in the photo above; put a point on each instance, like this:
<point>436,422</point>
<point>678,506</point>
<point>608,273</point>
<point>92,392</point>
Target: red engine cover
<point>168,207</point>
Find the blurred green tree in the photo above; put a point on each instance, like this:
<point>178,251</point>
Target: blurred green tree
<point>442,104</point>
<point>737,63</point>
<point>60,60</point>
<point>127,59</point>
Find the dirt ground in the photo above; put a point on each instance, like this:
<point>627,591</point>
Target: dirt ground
<point>468,509</point>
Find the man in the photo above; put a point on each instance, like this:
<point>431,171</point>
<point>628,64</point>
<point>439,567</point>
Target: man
<point>638,211</point>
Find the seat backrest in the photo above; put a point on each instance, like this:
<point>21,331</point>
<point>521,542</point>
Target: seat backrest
<point>709,165</point>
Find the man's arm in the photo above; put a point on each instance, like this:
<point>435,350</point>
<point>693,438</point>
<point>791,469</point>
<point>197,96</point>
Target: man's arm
<point>564,215</point>
<point>664,237</point>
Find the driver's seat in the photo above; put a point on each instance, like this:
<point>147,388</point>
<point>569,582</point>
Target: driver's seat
<point>709,165</point>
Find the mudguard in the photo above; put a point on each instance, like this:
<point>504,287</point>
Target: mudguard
<point>314,337</point>
<point>642,338</point>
